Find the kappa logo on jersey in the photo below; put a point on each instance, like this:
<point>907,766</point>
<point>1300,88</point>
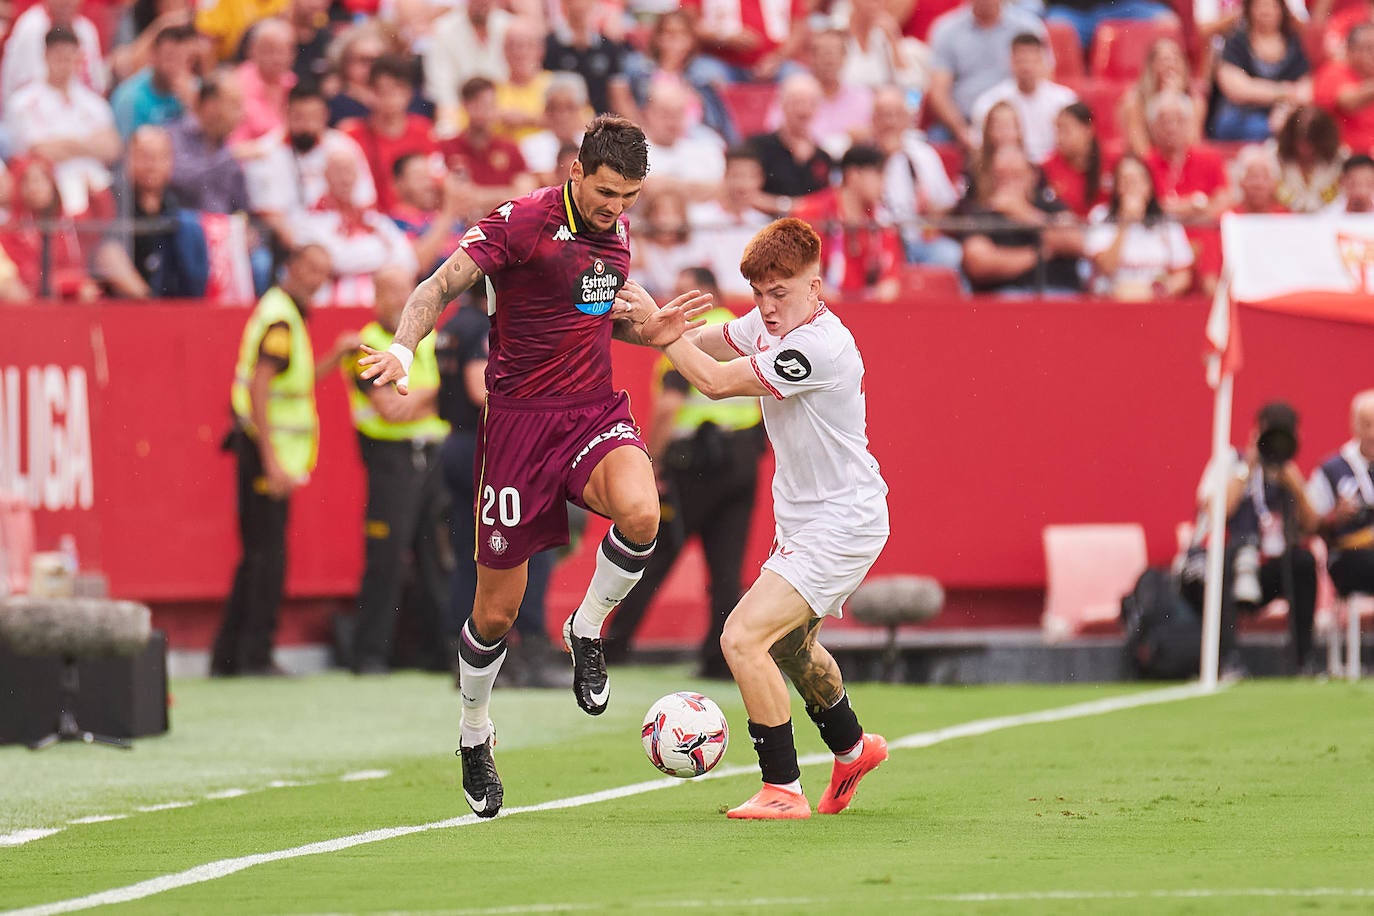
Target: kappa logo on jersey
<point>474,234</point>
<point>563,234</point>
<point>505,209</point>
<point>498,543</point>
<point>790,364</point>
<point>596,288</point>
<point>621,430</point>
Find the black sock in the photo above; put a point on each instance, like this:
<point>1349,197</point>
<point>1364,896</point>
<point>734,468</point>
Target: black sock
<point>840,729</point>
<point>777,752</point>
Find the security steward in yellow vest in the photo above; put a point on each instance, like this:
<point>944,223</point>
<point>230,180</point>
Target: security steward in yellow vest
<point>706,458</point>
<point>407,507</point>
<point>276,439</point>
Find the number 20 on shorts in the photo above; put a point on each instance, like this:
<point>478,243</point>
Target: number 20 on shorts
<point>506,502</point>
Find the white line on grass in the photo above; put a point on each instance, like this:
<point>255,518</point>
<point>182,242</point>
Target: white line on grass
<point>225,867</point>
<point>20,837</point>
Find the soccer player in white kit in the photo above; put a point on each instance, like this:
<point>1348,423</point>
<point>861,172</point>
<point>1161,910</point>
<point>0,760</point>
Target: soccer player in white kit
<point>829,502</point>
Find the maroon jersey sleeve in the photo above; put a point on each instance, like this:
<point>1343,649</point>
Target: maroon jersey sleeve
<point>507,235</point>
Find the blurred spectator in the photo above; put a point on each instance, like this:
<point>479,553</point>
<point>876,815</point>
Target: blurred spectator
<point>663,243</point>
<point>25,57</point>
<point>1310,156</point>
<point>1263,73</point>
<point>309,21</point>
<point>1213,20</point>
<point>1075,171</point>
<point>289,177</point>
<point>1256,175</point>
<point>1346,90</point>
<point>673,56</point>
<point>1165,70</point>
<point>577,46</point>
<point>429,209</point>
<point>845,114</point>
<point>492,164</point>
<point>1137,254</point>
<point>1340,492</point>
<point>467,41</point>
<point>360,241</point>
<point>565,114</point>
<point>352,55</point>
<point>915,185</point>
<point>691,163</point>
<point>754,39</point>
<point>562,170</point>
<point>12,289</point>
<point>265,78</point>
<point>205,173</point>
<point>1087,15</point>
<point>878,54</point>
<point>1335,27</point>
<point>226,21</point>
<point>1021,240</point>
<point>861,248</point>
<point>971,52</point>
<point>1036,100</point>
<point>793,163</point>
<point>157,250</point>
<point>139,25</point>
<point>1190,178</point>
<point>44,243</point>
<point>161,91</point>
<point>1357,186</point>
<point>61,120</point>
<point>520,97</point>
<point>731,218</point>
<point>1000,127</point>
<point>390,131</point>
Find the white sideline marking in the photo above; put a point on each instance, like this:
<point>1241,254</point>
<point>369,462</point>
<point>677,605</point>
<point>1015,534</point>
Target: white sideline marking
<point>97,818</point>
<point>226,793</point>
<point>165,806</point>
<point>364,774</point>
<point>20,837</point>
<point>225,867</point>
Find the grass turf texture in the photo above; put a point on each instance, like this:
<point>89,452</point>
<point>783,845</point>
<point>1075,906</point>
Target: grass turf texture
<point>1264,786</point>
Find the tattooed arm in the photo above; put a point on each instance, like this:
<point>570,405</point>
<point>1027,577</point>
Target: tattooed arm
<point>422,310</point>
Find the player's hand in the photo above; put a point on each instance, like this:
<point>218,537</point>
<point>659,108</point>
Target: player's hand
<point>633,303</point>
<point>279,484</point>
<point>679,316</point>
<point>383,367</point>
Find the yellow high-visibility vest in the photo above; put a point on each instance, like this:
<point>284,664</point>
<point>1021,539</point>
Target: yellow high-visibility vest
<point>727,413</point>
<point>424,373</point>
<point>291,398</point>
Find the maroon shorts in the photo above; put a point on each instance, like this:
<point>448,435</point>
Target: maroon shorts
<point>533,456</point>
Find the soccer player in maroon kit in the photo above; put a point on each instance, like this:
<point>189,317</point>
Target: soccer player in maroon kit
<point>554,428</point>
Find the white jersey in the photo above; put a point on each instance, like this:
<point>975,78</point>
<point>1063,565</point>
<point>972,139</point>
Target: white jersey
<point>816,420</point>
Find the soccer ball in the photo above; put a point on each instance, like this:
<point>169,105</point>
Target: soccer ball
<point>685,734</point>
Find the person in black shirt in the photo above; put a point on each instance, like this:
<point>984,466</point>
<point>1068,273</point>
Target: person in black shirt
<point>794,165</point>
<point>580,48</point>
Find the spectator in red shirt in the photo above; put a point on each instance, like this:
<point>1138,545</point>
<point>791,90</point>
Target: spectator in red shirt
<point>1190,178</point>
<point>390,131</point>
<point>59,271</point>
<point>752,43</point>
<point>1075,171</point>
<point>1346,89</point>
<point>863,250</point>
<point>493,164</point>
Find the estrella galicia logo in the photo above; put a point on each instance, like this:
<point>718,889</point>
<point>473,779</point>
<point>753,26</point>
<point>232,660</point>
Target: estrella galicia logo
<point>596,288</point>
<point>791,365</point>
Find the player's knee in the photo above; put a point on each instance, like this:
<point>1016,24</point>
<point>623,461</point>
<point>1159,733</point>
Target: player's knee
<point>493,620</point>
<point>640,522</point>
<point>735,643</point>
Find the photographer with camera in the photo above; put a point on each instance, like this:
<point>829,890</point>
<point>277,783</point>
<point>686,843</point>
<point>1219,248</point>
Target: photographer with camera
<point>1342,494</point>
<point>1268,517</point>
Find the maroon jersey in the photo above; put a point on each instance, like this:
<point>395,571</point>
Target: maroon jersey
<point>553,281</point>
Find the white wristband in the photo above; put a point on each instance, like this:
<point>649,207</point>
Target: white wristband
<point>402,353</point>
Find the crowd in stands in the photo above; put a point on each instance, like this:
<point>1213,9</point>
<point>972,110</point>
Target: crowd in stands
<point>159,148</point>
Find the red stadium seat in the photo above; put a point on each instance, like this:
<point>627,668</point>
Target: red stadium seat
<point>1103,97</point>
<point>1088,568</point>
<point>924,280</point>
<point>1068,50</point>
<point>1120,46</point>
<point>748,105</point>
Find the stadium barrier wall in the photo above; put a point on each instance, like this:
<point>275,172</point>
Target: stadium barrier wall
<point>991,419</point>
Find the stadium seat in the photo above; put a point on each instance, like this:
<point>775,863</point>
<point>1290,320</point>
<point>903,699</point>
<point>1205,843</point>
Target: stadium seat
<point>748,105</point>
<point>1068,50</point>
<point>1088,569</point>
<point>1103,96</point>
<point>16,543</point>
<point>1120,47</point>
<point>935,282</point>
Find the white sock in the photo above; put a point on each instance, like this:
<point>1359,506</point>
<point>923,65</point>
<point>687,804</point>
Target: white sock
<point>853,754</point>
<point>478,664</point>
<point>619,565</point>
<point>794,786</point>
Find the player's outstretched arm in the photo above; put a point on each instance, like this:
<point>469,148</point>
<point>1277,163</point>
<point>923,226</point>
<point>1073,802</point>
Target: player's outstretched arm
<point>639,319</point>
<point>716,380</point>
<point>422,311</point>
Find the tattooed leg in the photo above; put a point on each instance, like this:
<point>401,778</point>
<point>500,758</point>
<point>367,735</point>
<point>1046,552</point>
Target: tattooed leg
<point>809,666</point>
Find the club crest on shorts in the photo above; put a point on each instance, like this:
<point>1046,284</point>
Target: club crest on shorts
<point>596,287</point>
<point>498,543</point>
<point>791,364</point>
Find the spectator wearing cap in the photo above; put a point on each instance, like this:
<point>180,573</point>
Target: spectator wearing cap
<point>1357,186</point>
<point>61,120</point>
<point>206,175</point>
<point>1036,99</point>
<point>493,165</point>
<point>1346,90</point>
<point>467,41</point>
<point>25,52</point>
<point>565,114</point>
<point>862,250</point>
<point>794,164</point>
<point>576,45</point>
<point>162,91</point>
<point>916,187</point>
<point>390,130</point>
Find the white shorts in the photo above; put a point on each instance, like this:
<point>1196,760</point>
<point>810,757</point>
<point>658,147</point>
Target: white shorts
<point>824,565</point>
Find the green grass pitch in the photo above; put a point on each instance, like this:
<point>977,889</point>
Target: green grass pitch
<point>1258,799</point>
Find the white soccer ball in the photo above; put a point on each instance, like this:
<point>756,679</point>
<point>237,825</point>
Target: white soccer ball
<point>685,734</point>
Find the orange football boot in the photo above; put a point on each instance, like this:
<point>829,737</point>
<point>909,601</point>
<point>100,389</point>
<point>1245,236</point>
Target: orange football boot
<point>844,778</point>
<point>773,803</point>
